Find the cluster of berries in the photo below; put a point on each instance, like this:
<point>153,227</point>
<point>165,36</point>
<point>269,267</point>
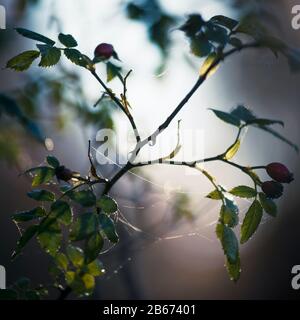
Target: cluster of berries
<point>280,174</point>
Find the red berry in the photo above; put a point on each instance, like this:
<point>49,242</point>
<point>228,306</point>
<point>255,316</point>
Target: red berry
<point>63,173</point>
<point>272,189</point>
<point>279,172</point>
<point>104,50</point>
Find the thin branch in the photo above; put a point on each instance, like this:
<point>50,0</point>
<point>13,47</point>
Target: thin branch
<point>198,83</point>
<point>93,168</point>
<point>119,104</point>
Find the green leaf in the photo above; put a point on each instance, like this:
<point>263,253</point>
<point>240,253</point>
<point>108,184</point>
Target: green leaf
<point>227,117</point>
<point>108,228</point>
<point>41,175</point>
<point>23,61</point>
<point>229,242</point>
<point>265,122</point>
<point>62,261</point>
<point>35,213</point>
<point>107,204</point>
<point>67,40</point>
<point>75,255</point>
<point>80,284</point>
<point>93,247</point>
<point>8,294</point>
<point>41,195</point>
<point>53,162</point>
<point>243,114</point>
<point>95,268</point>
<point>243,192</point>
<point>89,282</point>
<point>61,211</point>
<point>50,55</point>
<point>214,195</point>
<point>84,226</point>
<point>229,216</point>
<point>35,36</point>
<point>77,57</point>
<point>232,151</point>
<point>86,198</point>
<point>112,71</point>
<point>200,47</point>
<point>50,239</point>
<point>224,21</point>
<point>251,221</point>
<point>29,233</point>
<point>216,33</point>
<point>231,204</point>
<point>280,137</point>
<point>234,269</point>
<point>268,205</point>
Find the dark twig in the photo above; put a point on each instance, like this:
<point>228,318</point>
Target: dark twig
<point>119,104</point>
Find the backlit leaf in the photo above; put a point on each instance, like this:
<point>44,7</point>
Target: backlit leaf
<point>23,61</point>
<point>62,261</point>
<point>84,226</point>
<point>107,204</point>
<point>112,71</point>
<point>29,233</point>
<point>50,55</point>
<point>234,269</point>
<point>243,192</point>
<point>62,212</point>
<point>41,175</point>
<point>75,255</point>
<point>41,195</point>
<point>93,247</point>
<point>232,151</point>
<point>229,216</point>
<point>50,239</point>
<point>251,221</point>
<point>76,57</point>
<point>35,213</point>
<point>229,242</point>
<point>268,205</point>
<point>108,227</point>
<point>95,268</point>
<point>207,67</point>
<point>214,195</point>
<point>86,198</point>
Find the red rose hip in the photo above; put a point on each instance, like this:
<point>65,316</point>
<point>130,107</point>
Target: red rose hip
<point>104,50</point>
<point>272,189</point>
<point>279,172</point>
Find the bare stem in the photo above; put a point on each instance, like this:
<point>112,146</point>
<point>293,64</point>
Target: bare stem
<point>119,104</point>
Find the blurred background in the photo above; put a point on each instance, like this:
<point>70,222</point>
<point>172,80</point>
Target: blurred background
<point>173,252</point>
